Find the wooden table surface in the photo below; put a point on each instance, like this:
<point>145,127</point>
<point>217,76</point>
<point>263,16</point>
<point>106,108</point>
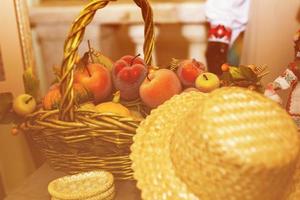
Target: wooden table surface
<point>35,187</point>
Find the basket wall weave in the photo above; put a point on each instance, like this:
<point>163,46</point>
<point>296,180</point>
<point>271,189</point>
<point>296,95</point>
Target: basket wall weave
<point>73,139</point>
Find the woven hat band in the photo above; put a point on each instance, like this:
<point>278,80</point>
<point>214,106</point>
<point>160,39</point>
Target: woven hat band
<point>237,144</point>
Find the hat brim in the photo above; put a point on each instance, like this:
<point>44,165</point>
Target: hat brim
<point>151,160</point>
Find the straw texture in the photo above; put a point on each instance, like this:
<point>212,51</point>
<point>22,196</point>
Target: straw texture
<point>294,192</point>
<point>233,144</point>
<point>150,152</point>
<point>94,185</point>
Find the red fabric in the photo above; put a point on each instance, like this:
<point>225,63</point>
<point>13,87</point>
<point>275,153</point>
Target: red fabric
<point>220,31</point>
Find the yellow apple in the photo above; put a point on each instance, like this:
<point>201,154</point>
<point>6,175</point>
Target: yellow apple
<point>24,104</point>
<point>207,82</point>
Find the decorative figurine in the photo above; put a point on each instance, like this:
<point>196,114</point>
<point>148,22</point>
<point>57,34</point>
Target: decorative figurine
<point>290,78</point>
<point>227,19</point>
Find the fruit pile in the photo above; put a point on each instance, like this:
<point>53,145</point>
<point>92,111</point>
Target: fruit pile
<point>133,80</point>
<point>129,79</point>
<point>128,87</point>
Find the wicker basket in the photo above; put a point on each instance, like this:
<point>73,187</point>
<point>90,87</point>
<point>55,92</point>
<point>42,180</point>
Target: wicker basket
<point>73,139</point>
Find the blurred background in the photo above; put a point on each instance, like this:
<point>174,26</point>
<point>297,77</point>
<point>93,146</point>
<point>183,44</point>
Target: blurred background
<point>118,30</point>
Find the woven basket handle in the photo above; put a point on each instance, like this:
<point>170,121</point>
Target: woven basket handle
<point>66,108</point>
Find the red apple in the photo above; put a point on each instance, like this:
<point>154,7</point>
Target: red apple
<point>128,74</point>
<point>189,70</point>
<point>97,79</point>
<point>159,86</point>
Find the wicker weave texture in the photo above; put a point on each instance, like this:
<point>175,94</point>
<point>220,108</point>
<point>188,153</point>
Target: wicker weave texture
<point>74,139</point>
<point>93,141</point>
<point>74,39</point>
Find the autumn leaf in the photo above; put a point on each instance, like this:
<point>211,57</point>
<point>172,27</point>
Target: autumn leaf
<point>99,58</point>
<point>94,57</point>
<point>248,73</point>
<point>83,62</point>
<point>226,76</point>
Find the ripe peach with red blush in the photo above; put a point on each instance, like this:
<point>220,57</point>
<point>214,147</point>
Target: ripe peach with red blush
<point>128,74</point>
<point>97,79</point>
<point>189,70</point>
<point>159,86</point>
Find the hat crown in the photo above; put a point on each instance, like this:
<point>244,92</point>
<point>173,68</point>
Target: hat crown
<point>238,144</point>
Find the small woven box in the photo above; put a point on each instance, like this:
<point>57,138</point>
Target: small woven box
<point>94,185</point>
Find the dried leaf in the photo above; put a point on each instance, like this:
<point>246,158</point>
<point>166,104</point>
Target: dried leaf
<point>226,78</point>
<point>260,89</point>
<point>236,73</point>
<point>248,73</point>
<point>83,62</point>
<point>98,57</point>
<point>95,57</point>
<point>31,83</point>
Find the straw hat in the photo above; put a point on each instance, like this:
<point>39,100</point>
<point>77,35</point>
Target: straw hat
<point>230,144</point>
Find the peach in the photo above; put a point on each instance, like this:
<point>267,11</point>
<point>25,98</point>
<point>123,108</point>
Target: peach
<point>53,97</point>
<point>159,86</point>
<point>97,79</point>
<point>189,70</point>
<point>128,74</point>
